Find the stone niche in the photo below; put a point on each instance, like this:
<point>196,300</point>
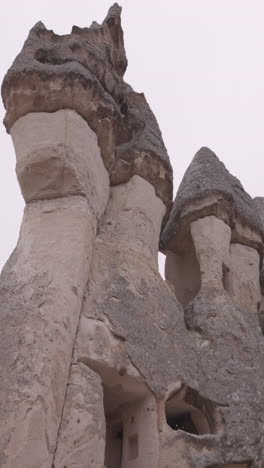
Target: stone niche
<point>187,411</point>
<point>131,424</point>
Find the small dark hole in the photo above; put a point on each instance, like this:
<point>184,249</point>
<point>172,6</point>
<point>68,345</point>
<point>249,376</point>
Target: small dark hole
<point>184,422</point>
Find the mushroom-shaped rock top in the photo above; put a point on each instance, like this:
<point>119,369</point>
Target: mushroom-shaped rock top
<point>208,188</point>
<point>84,71</point>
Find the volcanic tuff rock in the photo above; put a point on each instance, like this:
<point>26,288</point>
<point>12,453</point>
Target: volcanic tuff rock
<point>208,188</point>
<point>213,244</point>
<point>84,71</point>
<point>103,363</point>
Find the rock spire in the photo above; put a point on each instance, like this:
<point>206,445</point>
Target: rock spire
<point>84,71</point>
<point>102,362</point>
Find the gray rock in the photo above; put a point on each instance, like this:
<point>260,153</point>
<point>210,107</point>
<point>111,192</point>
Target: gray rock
<point>207,189</point>
<point>84,71</point>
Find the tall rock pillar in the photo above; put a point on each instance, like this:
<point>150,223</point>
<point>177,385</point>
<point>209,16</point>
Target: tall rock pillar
<point>42,287</point>
<point>77,128</point>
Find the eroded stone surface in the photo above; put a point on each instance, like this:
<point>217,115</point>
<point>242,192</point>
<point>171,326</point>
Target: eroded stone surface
<point>41,295</point>
<point>211,237</point>
<point>225,231</point>
<point>84,71</point>
<point>43,283</point>
<point>57,155</point>
<point>208,189</point>
<point>242,281</point>
<point>100,364</point>
<point>81,439</point>
<point>129,303</point>
<point>132,333</point>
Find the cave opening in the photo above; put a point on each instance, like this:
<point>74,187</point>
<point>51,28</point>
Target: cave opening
<point>187,411</point>
<point>182,421</point>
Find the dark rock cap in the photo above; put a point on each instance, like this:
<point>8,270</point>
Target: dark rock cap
<point>208,188</point>
<point>84,71</point>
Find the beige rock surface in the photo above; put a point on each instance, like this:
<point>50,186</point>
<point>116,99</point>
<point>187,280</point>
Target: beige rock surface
<point>211,237</point>
<point>127,241</point>
<point>42,289</point>
<point>43,283</point>
<point>81,441</point>
<point>242,281</point>
<point>58,155</point>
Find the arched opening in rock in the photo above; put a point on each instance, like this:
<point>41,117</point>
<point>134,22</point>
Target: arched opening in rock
<point>129,424</point>
<point>120,444</point>
<point>183,421</point>
<point>126,424</point>
<point>186,410</point>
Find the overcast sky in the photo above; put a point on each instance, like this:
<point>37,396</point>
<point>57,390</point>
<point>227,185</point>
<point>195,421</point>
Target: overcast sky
<point>199,62</point>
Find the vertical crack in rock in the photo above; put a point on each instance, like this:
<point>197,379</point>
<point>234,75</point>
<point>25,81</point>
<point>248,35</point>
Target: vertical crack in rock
<point>66,389</point>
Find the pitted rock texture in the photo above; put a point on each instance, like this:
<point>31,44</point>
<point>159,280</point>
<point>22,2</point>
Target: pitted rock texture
<point>207,189</point>
<point>84,71</point>
<point>83,414</point>
<point>138,338</point>
<point>41,291</point>
<point>43,283</point>
<point>214,217</point>
<point>230,360</point>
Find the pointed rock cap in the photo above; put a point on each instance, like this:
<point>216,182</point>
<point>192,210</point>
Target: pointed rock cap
<point>84,71</point>
<point>208,188</point>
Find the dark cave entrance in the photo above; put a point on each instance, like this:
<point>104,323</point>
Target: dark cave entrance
<point>113,444</point>
<point>182,421</point>
<point>187,411</point>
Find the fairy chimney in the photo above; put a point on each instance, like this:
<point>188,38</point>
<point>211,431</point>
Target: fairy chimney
<point>104,364</point>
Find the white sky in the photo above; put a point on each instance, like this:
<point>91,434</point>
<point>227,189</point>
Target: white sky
<point>199,62</point>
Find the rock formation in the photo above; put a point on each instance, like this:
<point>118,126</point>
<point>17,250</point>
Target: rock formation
<point>103,363</point>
